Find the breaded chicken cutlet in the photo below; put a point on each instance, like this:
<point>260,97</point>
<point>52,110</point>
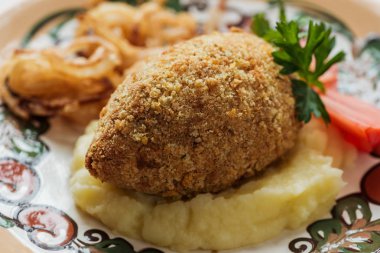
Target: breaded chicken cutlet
<point>203,115</point>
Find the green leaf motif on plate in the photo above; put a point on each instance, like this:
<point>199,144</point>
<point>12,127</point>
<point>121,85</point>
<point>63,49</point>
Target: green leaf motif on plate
<point>70,13</point>
<point>21,137</point>
<point>172,4</point>
<point>372,48</point>
<point>350,230</point>
<point>6,222</point>
<point>26,147</point>
<point>118,245</point>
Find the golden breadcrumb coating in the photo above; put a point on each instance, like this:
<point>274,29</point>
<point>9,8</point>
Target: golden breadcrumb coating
<point>203,115</point>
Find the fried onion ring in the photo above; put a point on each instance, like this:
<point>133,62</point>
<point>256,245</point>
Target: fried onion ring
<point>44,82</point>
<point>109,39</point>
<point>85,57</point>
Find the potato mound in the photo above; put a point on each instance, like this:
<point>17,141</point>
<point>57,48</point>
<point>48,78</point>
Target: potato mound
<point>295,191</point>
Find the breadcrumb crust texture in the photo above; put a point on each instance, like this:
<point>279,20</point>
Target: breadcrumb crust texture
<point>198,118</point>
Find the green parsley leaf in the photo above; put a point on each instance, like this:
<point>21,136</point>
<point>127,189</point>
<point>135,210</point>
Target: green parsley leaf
<point>308,102</point>
<point>293,56</point>
<point>304,58</point>
<point>260,25</point>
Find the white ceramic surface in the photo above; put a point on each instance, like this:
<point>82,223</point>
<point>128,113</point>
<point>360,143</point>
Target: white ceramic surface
<point>362,16</point>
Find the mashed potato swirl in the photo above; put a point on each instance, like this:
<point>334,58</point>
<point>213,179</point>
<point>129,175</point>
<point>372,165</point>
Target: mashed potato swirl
<point>295,191</point>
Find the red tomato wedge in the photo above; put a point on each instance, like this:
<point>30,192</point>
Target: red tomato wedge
<point>358,120</point>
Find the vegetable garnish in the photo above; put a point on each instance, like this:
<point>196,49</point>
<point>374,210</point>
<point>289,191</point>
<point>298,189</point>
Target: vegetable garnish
<point>69,14</point>
<point>304,63</point>
<point>359,121</point>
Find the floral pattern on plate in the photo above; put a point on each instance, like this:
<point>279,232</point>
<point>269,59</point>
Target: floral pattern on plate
<point>352,227</point>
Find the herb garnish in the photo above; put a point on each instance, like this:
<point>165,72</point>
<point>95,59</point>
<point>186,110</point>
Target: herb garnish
<point>297,59</point>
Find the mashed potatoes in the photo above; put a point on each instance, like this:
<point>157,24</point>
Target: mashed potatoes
<point>299,189</point>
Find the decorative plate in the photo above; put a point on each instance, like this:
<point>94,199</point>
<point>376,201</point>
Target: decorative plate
<point>36,205</point>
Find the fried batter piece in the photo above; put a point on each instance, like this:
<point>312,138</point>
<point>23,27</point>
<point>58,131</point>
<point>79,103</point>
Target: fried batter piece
<point>149,25</point>
<point>50,81</point>
<point>202,116</point>
<point>76,80</point>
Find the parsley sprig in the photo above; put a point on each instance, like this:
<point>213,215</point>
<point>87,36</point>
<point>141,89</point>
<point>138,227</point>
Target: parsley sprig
<point>304,62</point>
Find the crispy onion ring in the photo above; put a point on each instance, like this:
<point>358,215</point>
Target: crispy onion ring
<point>128,52</point>
<point>45,82</point>
<point>97,58</point>
<point>110,38</point>
<point>150,25</point>
<point>157,26</point>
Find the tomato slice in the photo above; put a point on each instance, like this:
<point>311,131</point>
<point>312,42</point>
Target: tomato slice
<point>358,120</point>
